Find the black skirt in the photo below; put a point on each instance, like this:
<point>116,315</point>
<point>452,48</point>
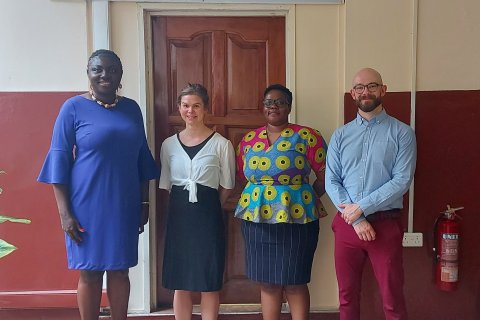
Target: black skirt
<point>280,253</point>
<point>194,257</point>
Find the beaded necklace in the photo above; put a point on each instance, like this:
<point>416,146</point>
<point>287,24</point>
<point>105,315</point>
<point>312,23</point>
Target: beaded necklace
<point>103,104</point>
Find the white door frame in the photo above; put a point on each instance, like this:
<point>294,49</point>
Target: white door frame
<point>145,12</point>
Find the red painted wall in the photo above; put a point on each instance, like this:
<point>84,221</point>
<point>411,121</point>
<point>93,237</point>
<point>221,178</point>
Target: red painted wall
<point>447,128</point>
<point>448,172</point>
<point>35,275</point>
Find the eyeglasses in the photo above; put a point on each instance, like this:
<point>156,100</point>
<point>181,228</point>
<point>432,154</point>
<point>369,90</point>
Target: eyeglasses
<point>269,103</point>
<point>371,87</point>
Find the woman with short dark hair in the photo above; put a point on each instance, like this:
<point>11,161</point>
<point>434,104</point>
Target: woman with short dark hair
<point>99,165</point>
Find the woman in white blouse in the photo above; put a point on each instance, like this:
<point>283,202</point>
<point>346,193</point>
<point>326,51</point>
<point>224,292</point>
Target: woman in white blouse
<point>198,168</point>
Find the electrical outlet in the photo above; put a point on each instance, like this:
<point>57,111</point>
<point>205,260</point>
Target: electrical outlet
<point>412,239</point>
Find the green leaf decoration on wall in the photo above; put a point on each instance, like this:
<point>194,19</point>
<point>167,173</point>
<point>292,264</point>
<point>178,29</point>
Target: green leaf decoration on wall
<point>1,190</point>
<point>12,219</point>
<point>6,248</point>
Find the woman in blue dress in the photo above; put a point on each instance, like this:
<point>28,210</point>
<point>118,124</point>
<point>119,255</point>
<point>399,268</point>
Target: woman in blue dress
<point>99,165</point>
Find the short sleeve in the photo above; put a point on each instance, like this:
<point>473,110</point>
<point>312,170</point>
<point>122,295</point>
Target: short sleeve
<point>165,178</point>
<point>316,150</point>
<point>59,160</point>
<point>227,166</point>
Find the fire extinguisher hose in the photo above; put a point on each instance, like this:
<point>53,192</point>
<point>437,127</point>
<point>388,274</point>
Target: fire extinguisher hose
<point>436,256</point>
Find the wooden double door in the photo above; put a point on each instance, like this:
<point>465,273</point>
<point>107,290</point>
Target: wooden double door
<point>235,58</point>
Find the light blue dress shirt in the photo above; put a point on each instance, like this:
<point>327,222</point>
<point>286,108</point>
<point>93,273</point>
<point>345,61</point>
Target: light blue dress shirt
<point>371,163</point>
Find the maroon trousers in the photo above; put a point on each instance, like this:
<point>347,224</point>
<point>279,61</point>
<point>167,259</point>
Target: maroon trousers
<point>385,254</point>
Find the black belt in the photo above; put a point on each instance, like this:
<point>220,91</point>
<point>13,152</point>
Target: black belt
<point>385,215</point>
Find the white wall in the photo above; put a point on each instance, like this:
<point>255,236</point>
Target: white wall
<point>316,102</point>
<point>448,45</point>
<point>43,45</point>
<point>378,35</point>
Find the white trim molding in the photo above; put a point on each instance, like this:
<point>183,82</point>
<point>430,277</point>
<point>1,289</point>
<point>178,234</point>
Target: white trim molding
<point>100,24</point>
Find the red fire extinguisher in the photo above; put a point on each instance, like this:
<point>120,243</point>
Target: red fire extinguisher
<point>446,239</point>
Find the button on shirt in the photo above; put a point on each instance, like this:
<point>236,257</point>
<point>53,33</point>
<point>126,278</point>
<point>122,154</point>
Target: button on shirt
<point>371,163</point>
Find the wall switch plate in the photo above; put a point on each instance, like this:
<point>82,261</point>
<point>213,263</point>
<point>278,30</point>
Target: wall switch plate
<point>412,239</point>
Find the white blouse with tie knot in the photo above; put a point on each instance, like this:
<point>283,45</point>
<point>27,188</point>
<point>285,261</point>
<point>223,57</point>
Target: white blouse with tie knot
<point>212,166</point>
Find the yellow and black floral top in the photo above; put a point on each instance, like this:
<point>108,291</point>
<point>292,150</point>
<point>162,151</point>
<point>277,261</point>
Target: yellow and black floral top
<point>278,190</point>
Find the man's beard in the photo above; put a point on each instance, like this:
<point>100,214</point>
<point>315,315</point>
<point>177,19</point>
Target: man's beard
<point>369,107</point>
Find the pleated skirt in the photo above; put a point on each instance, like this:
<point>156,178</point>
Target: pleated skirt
<point>280,253</point>
<point>194,257</point>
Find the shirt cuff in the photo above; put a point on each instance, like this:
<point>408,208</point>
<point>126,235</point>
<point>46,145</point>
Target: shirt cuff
<point>360,219</point>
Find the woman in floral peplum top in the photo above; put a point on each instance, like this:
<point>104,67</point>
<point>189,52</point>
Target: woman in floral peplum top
<point>279,208</point>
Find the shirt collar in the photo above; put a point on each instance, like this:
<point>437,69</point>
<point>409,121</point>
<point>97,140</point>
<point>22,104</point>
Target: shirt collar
<point>379,118</point>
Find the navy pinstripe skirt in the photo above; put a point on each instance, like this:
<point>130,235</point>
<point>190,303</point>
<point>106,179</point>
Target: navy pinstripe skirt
<point>280,253</point>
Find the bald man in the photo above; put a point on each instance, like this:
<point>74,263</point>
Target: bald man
<point>370,166</point>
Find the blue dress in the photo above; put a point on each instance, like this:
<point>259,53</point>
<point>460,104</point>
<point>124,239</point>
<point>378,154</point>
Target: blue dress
<point>103,157</point>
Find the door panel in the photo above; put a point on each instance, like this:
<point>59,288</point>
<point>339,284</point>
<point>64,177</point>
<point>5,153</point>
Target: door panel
<point>246,74</point>
<point>235,58</point>
<point>190,62</point>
